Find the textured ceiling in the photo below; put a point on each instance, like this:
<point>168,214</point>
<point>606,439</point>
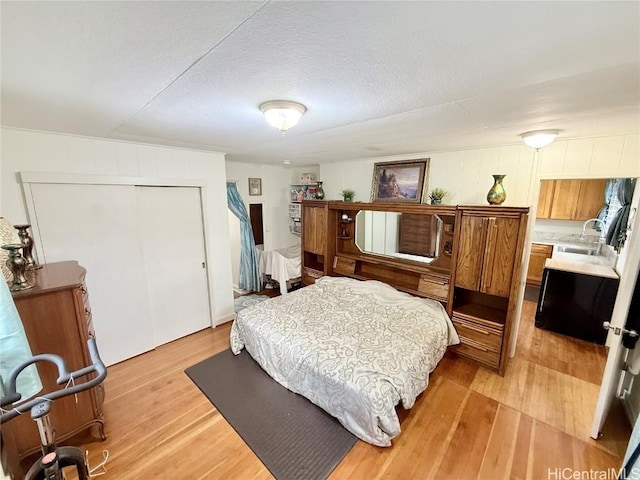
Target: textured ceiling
<point>378,78</point>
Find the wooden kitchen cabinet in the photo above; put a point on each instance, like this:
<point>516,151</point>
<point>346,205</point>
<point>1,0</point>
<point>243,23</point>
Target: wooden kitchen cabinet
<point>545,199</point>
<point>565,199</point>
<point>591,199</point>
<point>537,258</point>
<point>486,277</point>
<point>57,319</point>
<point>577,200</point>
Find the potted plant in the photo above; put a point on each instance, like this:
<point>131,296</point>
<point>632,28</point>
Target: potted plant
<point>347,194</point>
<point>436,195</point>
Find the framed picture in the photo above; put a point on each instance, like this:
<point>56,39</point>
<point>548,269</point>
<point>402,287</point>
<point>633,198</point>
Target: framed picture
<point>401,181</point>
<point>255,186</point>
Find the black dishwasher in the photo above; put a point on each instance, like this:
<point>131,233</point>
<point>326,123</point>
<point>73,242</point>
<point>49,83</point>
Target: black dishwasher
<point>576,304</point>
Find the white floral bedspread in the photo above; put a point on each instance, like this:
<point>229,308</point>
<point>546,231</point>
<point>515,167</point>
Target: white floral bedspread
<point>354,348</point>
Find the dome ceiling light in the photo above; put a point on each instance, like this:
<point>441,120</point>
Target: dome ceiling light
<point>283,114</point>
<point>539,138</point>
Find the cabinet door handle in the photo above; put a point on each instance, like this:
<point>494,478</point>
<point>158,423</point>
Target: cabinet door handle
<point>489,255</point>
<point>87,312</point>
<point>545,280</point>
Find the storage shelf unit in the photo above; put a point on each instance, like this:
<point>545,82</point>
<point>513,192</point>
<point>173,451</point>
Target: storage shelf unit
<point>299,192</point>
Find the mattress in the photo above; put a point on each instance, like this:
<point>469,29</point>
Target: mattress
<point>354,348</point>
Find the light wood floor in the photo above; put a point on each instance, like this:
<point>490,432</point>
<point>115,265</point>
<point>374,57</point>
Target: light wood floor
<point>469,423</point>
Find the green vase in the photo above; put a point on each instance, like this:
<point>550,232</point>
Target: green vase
<point>497,195</point>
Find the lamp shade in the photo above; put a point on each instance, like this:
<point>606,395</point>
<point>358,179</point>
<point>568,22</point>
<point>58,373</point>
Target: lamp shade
<point>539,138</point>
<point>283,114</point>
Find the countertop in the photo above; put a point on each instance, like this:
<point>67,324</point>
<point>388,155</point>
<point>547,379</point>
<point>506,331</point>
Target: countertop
<point>583,268</point>
<point>575,262</point>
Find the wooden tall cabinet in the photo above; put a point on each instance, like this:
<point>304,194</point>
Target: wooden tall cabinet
<point>57,319</point>
<point>485,253</point>
<point>313,227</point>
<point>486,279</point>
<point>318,240</point>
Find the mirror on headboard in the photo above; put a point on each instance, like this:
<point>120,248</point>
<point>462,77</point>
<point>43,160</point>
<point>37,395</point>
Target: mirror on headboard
<point>412,236</point>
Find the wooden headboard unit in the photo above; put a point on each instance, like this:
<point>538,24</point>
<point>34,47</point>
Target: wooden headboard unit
<point>472,266</point>
<point>419,261</point>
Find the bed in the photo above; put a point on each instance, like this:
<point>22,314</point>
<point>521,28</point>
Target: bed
<point>282,265</point>
<point>354,348</point>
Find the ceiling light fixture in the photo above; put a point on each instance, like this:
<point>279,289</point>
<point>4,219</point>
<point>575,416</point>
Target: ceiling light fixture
<point>282,114</point>
<point>539,138</point>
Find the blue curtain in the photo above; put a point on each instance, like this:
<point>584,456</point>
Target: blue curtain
<point>249,271</point>
<point>609,191</point>
<point>617,233</point>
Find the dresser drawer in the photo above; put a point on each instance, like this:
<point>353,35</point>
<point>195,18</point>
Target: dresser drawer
<point>480,353</point>
<point>309,275</point>
<point>480,334</point>
<point>435,287</point>
<point>345,266</point>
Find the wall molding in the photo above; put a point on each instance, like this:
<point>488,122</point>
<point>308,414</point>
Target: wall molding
<point>87,179</point>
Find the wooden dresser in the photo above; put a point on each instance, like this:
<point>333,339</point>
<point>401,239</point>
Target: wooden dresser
<point>57,319</point>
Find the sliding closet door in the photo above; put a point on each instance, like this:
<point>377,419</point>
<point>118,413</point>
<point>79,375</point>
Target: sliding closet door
<point>97,225</point>
<point>171,231</point>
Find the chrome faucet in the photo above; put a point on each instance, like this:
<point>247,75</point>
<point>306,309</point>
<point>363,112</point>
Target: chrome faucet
<point>601,239</point>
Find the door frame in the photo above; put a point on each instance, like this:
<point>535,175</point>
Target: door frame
<point>612,370</point>
<point>534,197</point>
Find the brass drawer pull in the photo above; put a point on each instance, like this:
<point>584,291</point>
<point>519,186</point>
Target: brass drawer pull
<point>475,345</point>
<point>87,312</point>
<point>477,329</point>
<point>83,290</point>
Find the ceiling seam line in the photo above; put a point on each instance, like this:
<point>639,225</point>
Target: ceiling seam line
<point>195,62</point>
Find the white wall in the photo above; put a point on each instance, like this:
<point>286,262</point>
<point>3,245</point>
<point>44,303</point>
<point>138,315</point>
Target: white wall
<point>30,151</point>
<point>466,175</point>
<point>275,200</point>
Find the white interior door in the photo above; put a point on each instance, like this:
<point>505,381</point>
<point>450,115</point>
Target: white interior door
<point>171,232</point>
<point>615,358</point>
<point>97,226</point>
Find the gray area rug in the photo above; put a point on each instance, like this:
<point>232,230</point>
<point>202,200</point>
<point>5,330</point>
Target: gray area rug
<point>248,300</point>
<point>295,439</point>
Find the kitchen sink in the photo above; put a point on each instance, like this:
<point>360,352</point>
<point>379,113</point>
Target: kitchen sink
<point>586,250</point>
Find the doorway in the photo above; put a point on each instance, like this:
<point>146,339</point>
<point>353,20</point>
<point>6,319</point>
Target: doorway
<point>573,358</point>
